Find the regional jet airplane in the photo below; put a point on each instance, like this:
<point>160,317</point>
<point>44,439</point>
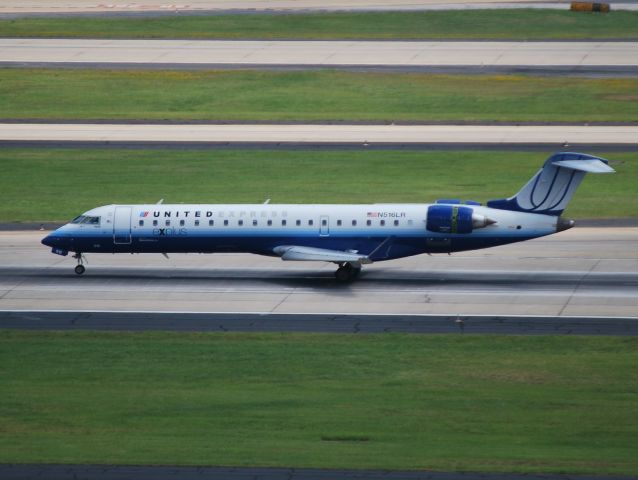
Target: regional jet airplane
<point>347,235</point>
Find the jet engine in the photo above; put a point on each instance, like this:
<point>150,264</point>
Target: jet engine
<point>455,219</point>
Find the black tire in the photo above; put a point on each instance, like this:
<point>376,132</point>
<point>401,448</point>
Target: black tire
<point>79,269</point>
<point>343,275</point>
<point>347,273</point>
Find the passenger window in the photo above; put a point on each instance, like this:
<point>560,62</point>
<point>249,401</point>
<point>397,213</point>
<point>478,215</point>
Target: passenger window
<point>269,223</point>
<point>396,223</point>
<point>225,223</point>
<point>298,222</point>
<point>155,223</point>
<point>338,223</point>
<point>141,223</point>
<point>310,222</point>
<point>240,222</point>
<point>168,223</point>
<point>382,223</point>
<point>254,223</point>
<point>181,223</point>
<point>324,222</point>
<point>368,222</point>
<point>283,223</point>
<point>211,223</point>
<point>354,223</point>
<point>197,223</point>
<point>410,222</point>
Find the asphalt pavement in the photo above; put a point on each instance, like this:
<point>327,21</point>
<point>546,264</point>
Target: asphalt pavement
<point>112,472</point>
<point>318,323</point>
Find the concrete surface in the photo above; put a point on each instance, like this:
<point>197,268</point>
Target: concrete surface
<point>154,7</point>
<point>324,53</point>
<point>258,6</point>
<point>318,134</point>
<point>580,272</point>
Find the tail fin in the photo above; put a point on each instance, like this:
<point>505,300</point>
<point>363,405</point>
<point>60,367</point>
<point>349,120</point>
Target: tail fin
<point>550,190</point>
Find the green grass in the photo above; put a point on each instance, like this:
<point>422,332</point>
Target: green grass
<point>479,24</point>
<point>58,184</point>
<point>311,96</point>
<point>514,404</point>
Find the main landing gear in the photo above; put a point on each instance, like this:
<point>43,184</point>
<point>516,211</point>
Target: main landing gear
<point>347,272</point>
<point>79,269</point>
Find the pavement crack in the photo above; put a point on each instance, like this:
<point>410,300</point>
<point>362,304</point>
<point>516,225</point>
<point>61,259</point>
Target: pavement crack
<point>286,297</point>
<point>577,286</point>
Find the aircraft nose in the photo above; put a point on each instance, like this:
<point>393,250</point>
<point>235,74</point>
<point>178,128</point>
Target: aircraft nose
<point>55,241</point>
<point>49,241</point>
<point>59,243</point>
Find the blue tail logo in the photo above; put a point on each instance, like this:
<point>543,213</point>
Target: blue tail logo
<point>550,190</point>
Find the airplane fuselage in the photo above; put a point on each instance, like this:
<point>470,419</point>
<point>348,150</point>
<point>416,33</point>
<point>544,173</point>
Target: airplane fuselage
<point>383,231</point>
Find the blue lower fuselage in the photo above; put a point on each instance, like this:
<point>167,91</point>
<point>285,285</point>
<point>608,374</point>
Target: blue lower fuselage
<point>397,247</point>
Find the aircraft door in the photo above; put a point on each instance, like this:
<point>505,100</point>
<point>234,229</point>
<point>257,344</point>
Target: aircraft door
<point>324,226</point>
<point>122,226</point>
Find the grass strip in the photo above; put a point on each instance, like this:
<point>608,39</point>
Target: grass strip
<point>479,403</point>
<point>311,96</point>
<point>515,24</point>
<point>59,184</point>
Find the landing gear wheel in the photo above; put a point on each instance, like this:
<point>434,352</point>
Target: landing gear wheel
<point>347,272</point>
<point>79,269</point>
<point>342,275</point>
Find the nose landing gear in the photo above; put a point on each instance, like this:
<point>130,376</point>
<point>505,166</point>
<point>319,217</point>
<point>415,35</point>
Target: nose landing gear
<point>79,268</point>
<point>347,272</point>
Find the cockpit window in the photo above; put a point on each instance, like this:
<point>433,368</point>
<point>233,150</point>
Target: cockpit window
<point>86,220</point>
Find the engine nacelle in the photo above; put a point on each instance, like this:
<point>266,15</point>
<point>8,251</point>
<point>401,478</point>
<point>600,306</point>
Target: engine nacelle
<point>455,219</point>
<point>449,219</point>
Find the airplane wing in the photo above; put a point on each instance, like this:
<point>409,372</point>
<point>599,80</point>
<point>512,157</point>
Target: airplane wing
<point>295,252</point>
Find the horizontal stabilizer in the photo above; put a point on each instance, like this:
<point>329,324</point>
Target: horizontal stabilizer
<point>312,254</point>
<point>593,165</point>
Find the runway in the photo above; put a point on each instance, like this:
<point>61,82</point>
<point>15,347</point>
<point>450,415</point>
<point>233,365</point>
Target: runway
<point>267,6</point>
<point>565,56</point>
<point>208,7</point>
<point>582,272</point>
<point>317,135</point>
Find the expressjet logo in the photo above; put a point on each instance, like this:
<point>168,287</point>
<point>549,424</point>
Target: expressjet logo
<point>386,214</point>
<point>169,232</point>
<point>144,214</point>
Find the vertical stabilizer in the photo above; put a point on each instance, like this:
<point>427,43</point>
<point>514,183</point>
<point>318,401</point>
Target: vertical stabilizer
<point>550,190</point>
